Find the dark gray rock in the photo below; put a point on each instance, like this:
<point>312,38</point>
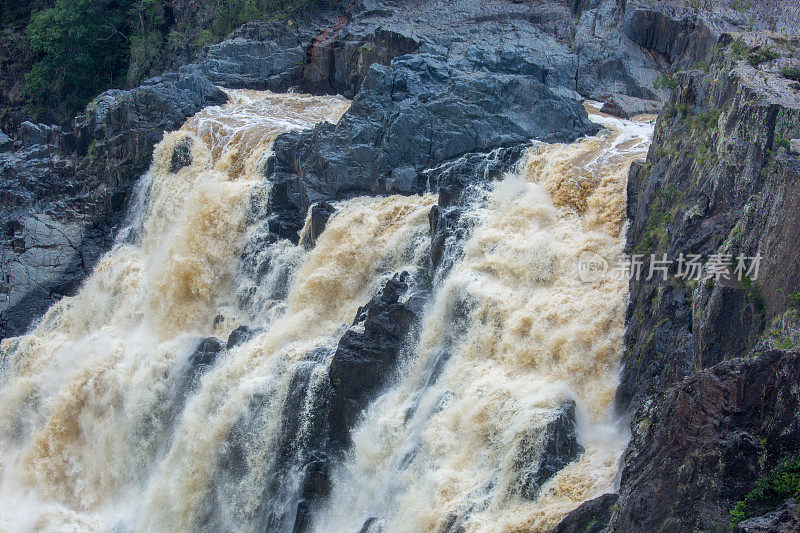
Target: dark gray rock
<point>240,335</point>
<point>181,155</point>
<point>261,55</point>
<point>31,134</point>
<point>461,184</point>
<point>699,447</point>
<point>6,143</point>
<point>319,213</point>
<point>412,115</point>
<point>715,181</point>
<point>318,54</point>
<point>367,353</point>
<point>592,516</point>
<point>65,191</point>
<point>206,353</point>
<point>784,519</point>
<point>681,37</point>
<point>545,450</point>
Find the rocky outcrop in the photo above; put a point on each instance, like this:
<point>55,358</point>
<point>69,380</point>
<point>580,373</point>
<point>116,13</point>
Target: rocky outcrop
<point>260,55</point>
<point>592,516</point>
<point>718,180</point>
<point>318,214</point>
<point>699,447</point>
<point>367,353</point>
<point>545,450</point>
<point>64,191</point>
<point>784,519</point>
<point>413,115</point>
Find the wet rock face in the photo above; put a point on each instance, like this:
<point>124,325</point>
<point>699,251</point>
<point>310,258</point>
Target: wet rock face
<point>367,353</point>
<point>181,155</point>
<point>64,191</point>
<point>316,413</point>
<point>699,447</point>
<point>413,115</point>
<point>591,516</point>
<point>716,181</point>
<point>240,335</point>
<point>319,213</point>
<point>461,184</point>
<point>548,449</point>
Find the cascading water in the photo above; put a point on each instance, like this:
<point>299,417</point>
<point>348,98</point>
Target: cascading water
<point>511,335</point>
<point>114,414</point>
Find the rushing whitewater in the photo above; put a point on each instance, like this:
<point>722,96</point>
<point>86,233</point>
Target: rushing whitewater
<point>107,420</point>
<point>521,335</point>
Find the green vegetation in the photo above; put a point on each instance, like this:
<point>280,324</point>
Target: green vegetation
<point>782,483</point>
<point>754,295</point>
<point>659,218</point>
<point>741,5</point>
<point>665,81</point>
<point>75,49</point>
<point>761,55</point>
<point>705,120</point>
<point>791,73</point>
<point>782,142</point>
<point>81,49</point>
<point>785,329</point>
<point>739,48</point>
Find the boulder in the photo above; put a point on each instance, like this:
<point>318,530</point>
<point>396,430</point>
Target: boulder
<point>240,335</point>
<point>591,516</point>
<point>624,106</point>
<point>546,449</point>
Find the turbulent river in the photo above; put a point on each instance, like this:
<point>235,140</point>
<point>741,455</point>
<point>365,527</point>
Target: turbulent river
<point>111,421</point>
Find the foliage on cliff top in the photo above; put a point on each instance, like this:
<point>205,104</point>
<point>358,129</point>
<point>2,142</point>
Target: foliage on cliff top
<point>79,48</point>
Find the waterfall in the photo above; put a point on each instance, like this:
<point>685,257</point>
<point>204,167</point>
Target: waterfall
<point>512,334</point>
<point>125,408</point>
